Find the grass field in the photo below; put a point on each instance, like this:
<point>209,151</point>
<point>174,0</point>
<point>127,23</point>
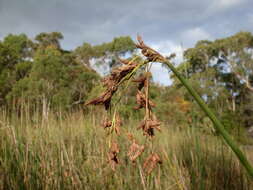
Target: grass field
<point>70,152</point>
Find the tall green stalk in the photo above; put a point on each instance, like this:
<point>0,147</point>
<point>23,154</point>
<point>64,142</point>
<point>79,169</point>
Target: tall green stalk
<point>217,124</point>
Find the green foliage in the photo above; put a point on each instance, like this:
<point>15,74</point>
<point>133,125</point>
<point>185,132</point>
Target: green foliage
<point>49,39</point>
<point>43,73</point>
<point>38,76</point>
<point>40,71</point>
<point>120,45</point>
<point>221,72</point>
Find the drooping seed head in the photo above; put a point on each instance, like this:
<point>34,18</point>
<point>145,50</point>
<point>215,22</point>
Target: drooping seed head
<point>151,163</point>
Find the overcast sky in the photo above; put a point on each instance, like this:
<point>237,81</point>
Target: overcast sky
<point>168,26</point>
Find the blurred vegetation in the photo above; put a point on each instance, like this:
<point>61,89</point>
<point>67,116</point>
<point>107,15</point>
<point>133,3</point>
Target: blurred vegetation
<point>69,151</point>
<point>39,72</point>
<point>38,77</point>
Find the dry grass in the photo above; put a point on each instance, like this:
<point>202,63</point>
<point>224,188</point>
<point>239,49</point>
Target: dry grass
<point>71,152</point>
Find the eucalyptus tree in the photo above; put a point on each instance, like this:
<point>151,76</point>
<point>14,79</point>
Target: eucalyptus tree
<point>223,67</point>
<point>15,62</point>
<point>105,53</point>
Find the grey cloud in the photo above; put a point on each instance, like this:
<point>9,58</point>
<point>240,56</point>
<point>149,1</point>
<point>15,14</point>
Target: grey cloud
<point>96,21</point>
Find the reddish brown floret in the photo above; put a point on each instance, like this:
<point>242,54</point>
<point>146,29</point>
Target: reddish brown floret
<point>118,124</point>
<point>106,123</point>
<point>104,99</point>
<point>135,151</point>
<point>141,101</point>
<point>148,126</point>
<point>151,163</point>
<point>151,54</point>
<point>111,83</point>
<point>142,81</point>
<point>113,155</point>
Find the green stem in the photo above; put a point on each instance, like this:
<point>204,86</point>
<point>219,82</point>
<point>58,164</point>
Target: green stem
<point>217,124</point>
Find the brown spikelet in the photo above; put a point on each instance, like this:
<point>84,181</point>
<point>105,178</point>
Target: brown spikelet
<point>111,83</point>
<point>142,80</point>
<point>119,73</point>
<point>130,137</point>
<point>151,163</point>
<point>106,123</point>
<point>104,98</point>
<point>148,52</point>
<point>140,41</point>
<point>135,151</point>
<point>141,101</point>
<point>113,155</point>
<point>118,123</point>
<point>149,125</point>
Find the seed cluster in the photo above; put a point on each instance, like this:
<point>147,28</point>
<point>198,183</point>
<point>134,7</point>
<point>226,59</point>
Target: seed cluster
<point>112,82</point>
<point>148,125</point>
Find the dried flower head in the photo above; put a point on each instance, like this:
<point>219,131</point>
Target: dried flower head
<point>106,123</point>
<point>104,98</point>
<point>135,151</point>
<point>111,83</point>
<point>118,124</point>
<point>113,155</point>
<point>141,101</point>
<point>148,126</point>
<point>152,55</point>
<point>151,163</point>
<point>142,80</point>
<point>130,137</point>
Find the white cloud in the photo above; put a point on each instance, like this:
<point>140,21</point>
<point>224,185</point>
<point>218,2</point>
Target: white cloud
<point>224,4</point>
<point>161,74</point>
<point>168,47</point>
<point>191,36</point>
<point>218,6</point>
<point>250,19</point>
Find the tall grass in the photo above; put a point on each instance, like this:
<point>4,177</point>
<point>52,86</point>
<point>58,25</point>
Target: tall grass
<point>154,56</point>
<point>69,151</point>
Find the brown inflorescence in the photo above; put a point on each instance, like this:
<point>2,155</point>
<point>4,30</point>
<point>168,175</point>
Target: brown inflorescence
<point>151,163</point>
<point>117,124</point>
<point>104,98</point>
<point>113,155</point>
<point>141,101</point>
<point>135,151</point>
<point>106,123</point>
<point>142,81</point>
<point>149,125</point>
<point>152,55</point>
<point>130,136</point>
<point>111,83</point>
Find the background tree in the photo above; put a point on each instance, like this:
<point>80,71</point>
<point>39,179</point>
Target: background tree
<point>106,53</point>
<point>49,39</point>
<point>223,70</point>
<point>15,62</point>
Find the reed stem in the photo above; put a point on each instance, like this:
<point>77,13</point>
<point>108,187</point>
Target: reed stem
<point>217,124</point>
